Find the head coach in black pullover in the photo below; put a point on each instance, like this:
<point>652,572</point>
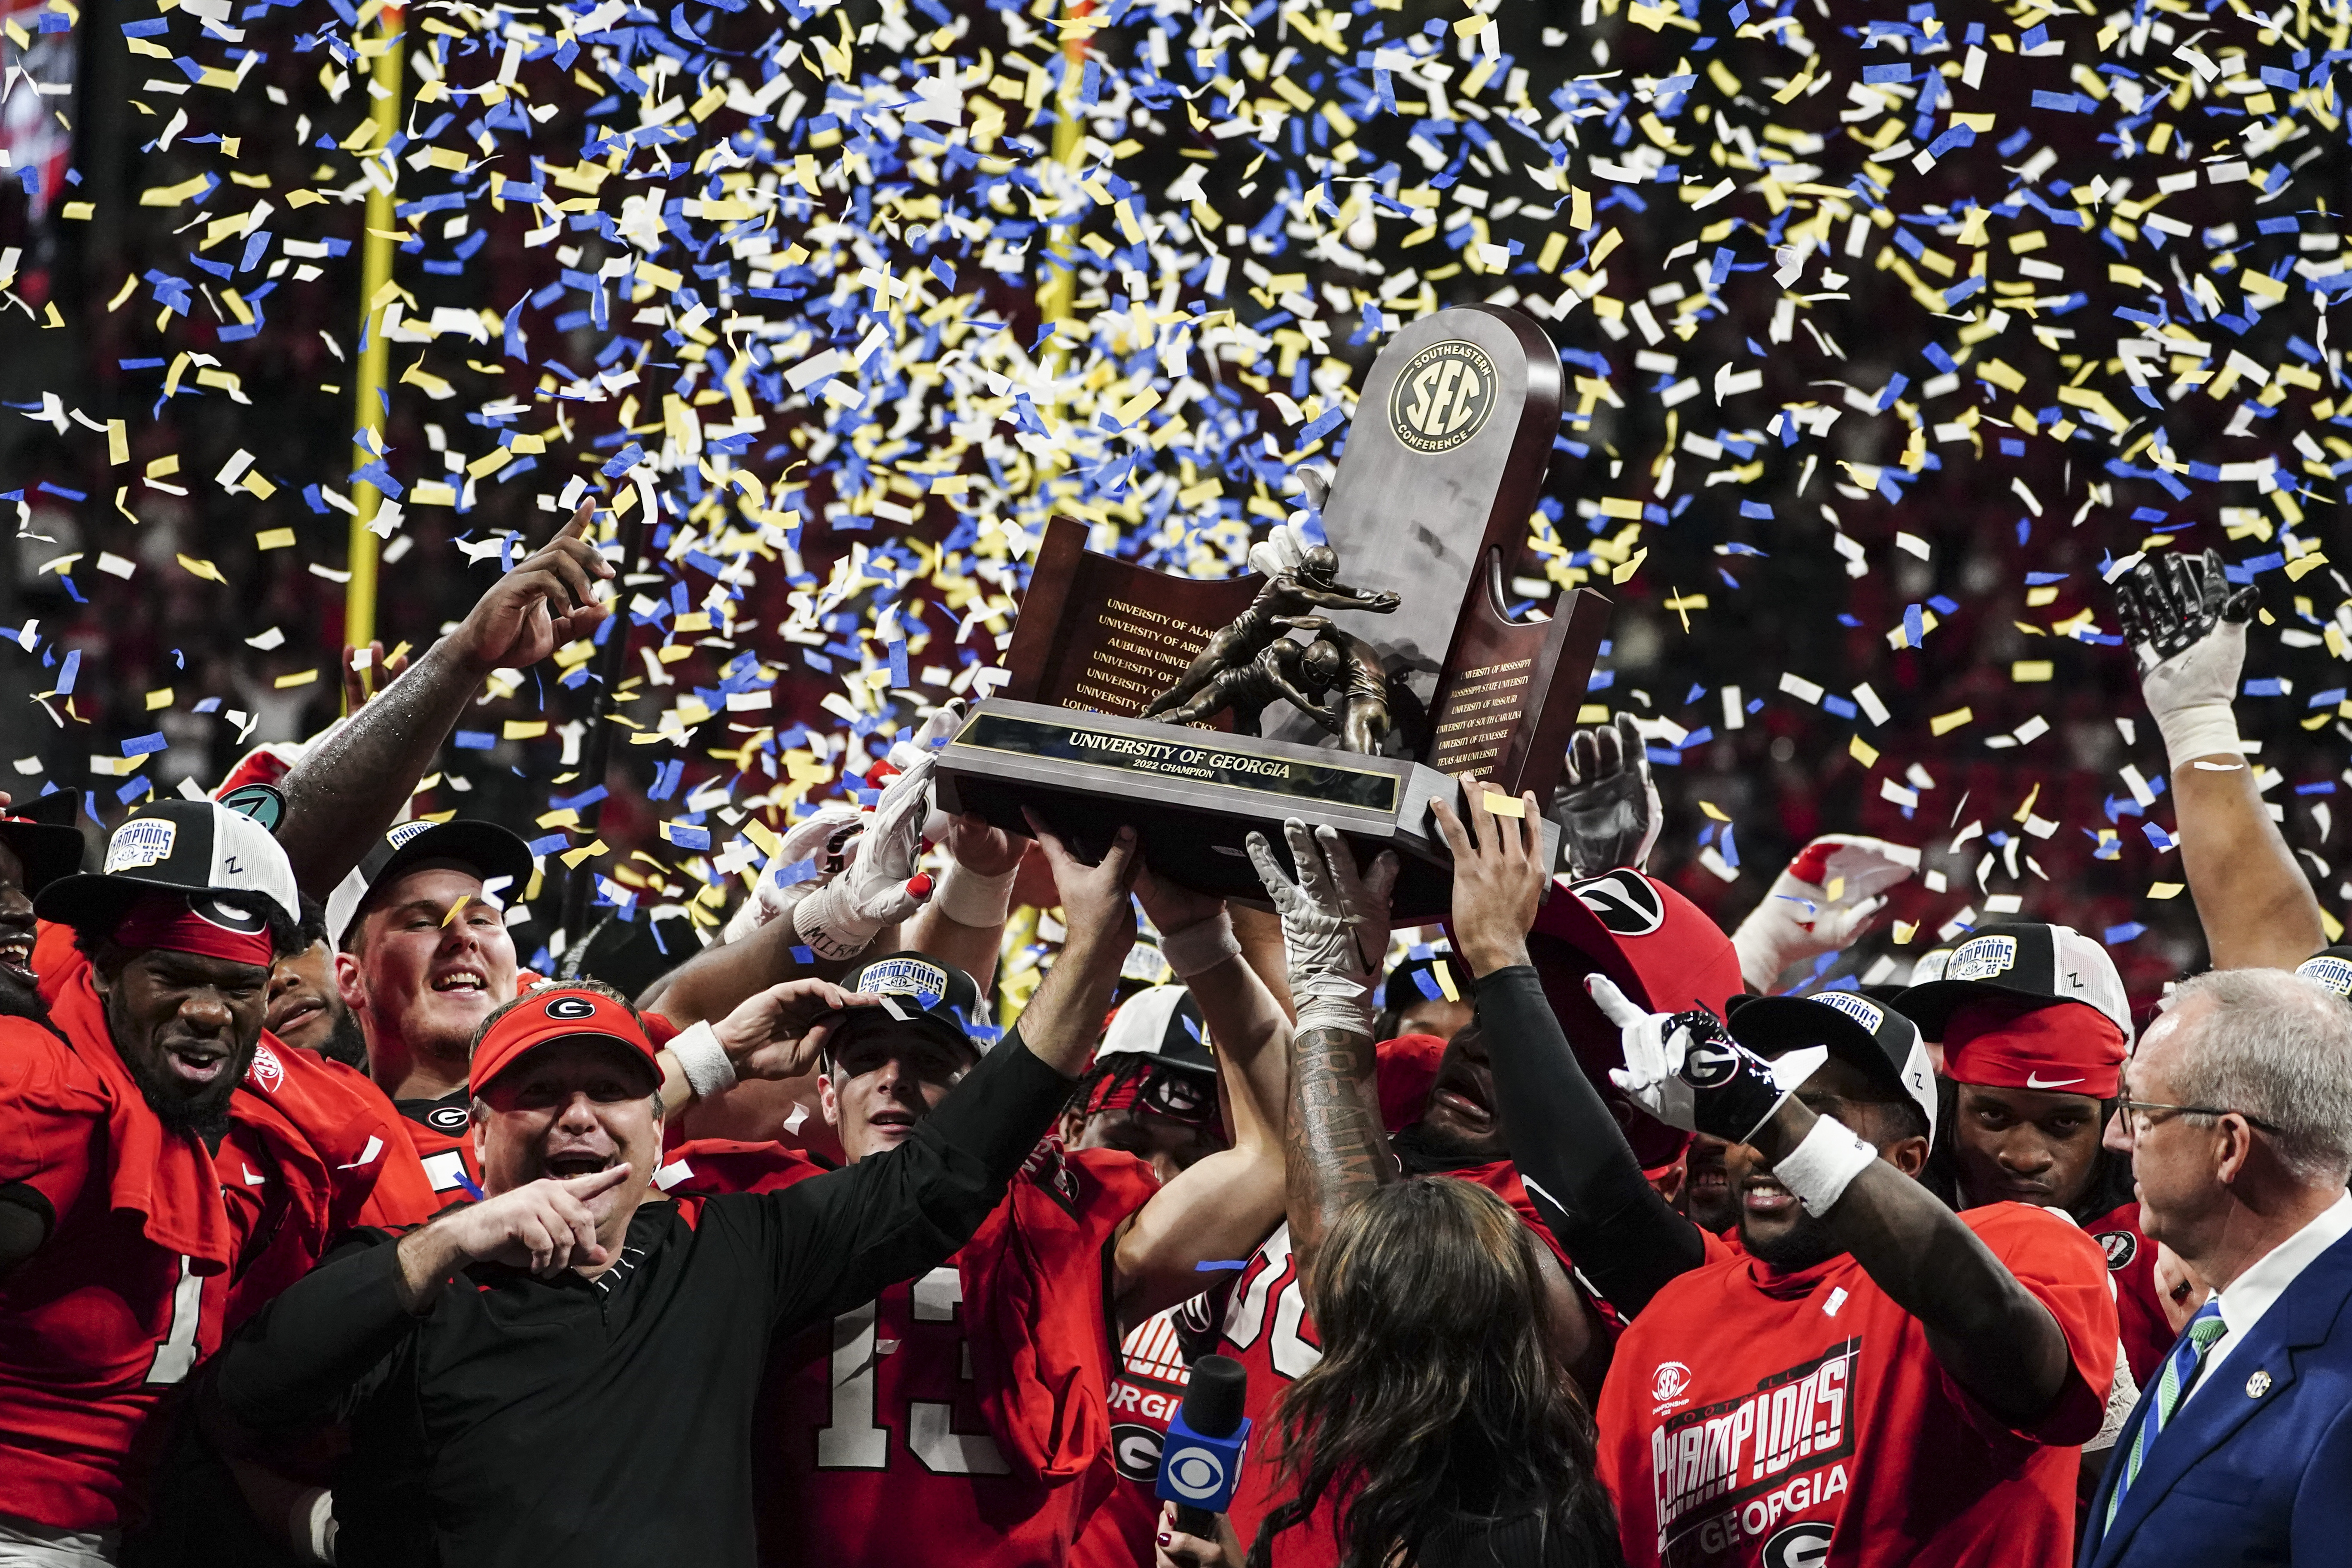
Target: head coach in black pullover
<point>558,1374</point>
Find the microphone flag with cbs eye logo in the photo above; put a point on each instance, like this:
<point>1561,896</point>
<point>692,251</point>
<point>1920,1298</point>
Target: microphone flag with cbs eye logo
<point>1201,1458</point>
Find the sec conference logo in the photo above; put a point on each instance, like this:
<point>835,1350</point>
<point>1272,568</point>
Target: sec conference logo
<point>1442,397</point>
<point>1670,1380</point>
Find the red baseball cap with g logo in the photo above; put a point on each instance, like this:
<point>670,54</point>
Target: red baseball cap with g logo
<point>554,1013</point>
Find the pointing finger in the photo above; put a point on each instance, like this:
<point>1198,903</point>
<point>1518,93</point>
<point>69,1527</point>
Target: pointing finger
<point>1613,1002</point>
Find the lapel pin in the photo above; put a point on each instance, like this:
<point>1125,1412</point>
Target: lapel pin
<point>2258,1386</point>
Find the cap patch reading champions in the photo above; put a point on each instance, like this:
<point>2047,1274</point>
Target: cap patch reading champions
<point>919,978</point>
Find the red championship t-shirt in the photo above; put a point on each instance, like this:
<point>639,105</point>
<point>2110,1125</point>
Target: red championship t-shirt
<point>1765,1419</point>
<point>1267,1328</point>
<point>2131,1264</point>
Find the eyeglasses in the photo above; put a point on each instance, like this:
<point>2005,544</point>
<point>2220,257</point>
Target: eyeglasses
<point>2144,1114</point>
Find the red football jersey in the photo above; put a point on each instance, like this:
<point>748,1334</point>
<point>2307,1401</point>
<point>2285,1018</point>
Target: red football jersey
<point>1149,1388</point>
<point>1763,1419</point>
<point>964,1414</point>
<point>152,1233</point>
<point>1267,1328</point>
<point>2148,1335</point>
<point>440,1132</point>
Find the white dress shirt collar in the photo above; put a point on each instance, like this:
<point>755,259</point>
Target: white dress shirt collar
<point>2255,1292</point>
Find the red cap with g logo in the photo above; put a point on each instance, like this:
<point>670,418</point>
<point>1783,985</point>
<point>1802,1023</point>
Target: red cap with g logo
<point>558,1012</point>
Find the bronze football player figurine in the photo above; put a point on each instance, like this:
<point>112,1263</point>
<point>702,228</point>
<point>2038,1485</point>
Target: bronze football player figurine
<point>1300,674</point>
<point>1300,579</point>
<point>1360,712</point>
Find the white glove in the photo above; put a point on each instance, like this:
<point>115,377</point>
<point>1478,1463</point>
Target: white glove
<point>1653,1046</point>
<point>2188,628</point>
<point>802,841</point>
<point>929,736</point>
<point>1280,551</point>
<point>880,886</point>
<point>1335,924</point>
<point>1824,899</point>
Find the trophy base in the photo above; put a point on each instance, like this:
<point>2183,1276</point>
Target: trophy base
<point>1193,796</point>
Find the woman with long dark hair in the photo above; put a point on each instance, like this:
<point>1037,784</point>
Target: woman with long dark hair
<point>1440,1421</point>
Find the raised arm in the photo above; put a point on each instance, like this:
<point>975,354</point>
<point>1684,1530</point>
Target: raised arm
<point>353,783</point>
<point>1335,926</point>
<point>1225,1204</point>
<point>964,921</point>
<point>1062,1020</point>
<point>2188,629</point>
<point>822,930</point>
<point>1994,1335</point>
<point>1571,1156</point>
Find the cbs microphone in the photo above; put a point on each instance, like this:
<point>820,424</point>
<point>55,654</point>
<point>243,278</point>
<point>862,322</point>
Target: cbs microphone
<point>1201,1460</point>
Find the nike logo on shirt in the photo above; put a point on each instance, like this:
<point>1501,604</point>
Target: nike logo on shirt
<point>2035,1081</point>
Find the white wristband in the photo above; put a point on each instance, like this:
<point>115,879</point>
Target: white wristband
<point>1199,946</point>
<point>310,1525</point>
<point>703,1060</point>
<point>2205,730</point>
<point>1818,1171</point>
<point>970,898</point>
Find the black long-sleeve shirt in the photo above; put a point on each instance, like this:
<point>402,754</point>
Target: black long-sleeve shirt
<point>607,1423</point>
<point>1571,1155</point>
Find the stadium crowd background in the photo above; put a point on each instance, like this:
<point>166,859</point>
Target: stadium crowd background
<point>1780,594</point>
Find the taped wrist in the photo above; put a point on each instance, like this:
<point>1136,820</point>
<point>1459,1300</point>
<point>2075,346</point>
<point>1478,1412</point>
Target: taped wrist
<point>830,926</point>
<point>2200,730</point>
<point>1819,1170</point>
<point>703,1060</point>
<point>1200,946</point>
<point>1349,1016</point>
<point>970,898</point>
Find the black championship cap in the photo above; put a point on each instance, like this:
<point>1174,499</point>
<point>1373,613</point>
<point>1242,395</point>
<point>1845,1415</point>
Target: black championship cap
<point>1874,1038</point>
<point>502,861</point>
<point>187,847</point>
<point>2027,960</point>
<point>916,988</point>
<point>41,833</point>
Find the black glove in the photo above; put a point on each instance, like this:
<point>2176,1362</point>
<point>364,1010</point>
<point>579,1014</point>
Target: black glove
<point>1686,1069</point>
<point>1608,810</point>
<point>1731,1087</point>
<point>2171,603</point>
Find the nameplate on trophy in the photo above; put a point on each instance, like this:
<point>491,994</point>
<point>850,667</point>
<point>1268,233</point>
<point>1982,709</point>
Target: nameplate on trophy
<point>1194,756</point>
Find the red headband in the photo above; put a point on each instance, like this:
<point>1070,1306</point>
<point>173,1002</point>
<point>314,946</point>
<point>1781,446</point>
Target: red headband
<point>177,924</point>
<point>2011,1044</point>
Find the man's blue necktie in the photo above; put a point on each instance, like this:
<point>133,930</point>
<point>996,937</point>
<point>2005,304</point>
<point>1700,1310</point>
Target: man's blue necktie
<point>2179,1373</point>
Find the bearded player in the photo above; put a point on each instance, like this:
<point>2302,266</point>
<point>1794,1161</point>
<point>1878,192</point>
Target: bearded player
<point>1877,1378</point>
<point>162,1166</point>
